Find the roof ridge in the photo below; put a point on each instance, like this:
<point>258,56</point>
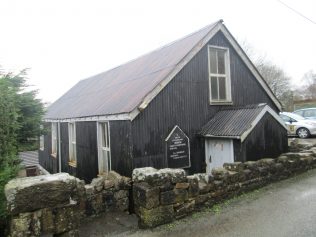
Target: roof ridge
<point>152,51</point>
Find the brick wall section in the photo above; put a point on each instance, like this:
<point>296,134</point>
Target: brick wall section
<point>162,196</point>
<point>56,204</point>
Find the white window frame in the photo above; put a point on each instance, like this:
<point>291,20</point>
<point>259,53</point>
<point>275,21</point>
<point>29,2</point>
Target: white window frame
<point>54,139</point>
<point>101,148</point>
<point>228,99</point>
<point>41,140</point>
<point>41,143</point>
<point>72,144</point>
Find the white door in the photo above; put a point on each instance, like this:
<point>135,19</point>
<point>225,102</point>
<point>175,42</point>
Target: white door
<point>104,154</point>
<point>218,152</point>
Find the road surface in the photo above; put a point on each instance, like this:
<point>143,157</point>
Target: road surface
<point>283,209</point>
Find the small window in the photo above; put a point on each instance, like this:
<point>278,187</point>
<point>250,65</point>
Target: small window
<point>219,75</point>
<point>42,142</point>
<point>104,148</point>
<point>72,143</point>
<point>41,139</point>
<point>54,139</point>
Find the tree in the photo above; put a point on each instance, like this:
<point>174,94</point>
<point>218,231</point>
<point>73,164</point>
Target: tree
<point>20,119</point>
<point>8,137</point>
<point>276,78</point>
<point>30,111</point>
<point>307,90</point>
<point>278,81</point>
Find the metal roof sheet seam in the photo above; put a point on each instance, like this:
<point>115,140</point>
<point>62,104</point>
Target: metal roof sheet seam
<point>122,89</point>
<point>232,122</point>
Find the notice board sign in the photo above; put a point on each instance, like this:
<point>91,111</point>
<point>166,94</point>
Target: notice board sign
<point>178,149</point>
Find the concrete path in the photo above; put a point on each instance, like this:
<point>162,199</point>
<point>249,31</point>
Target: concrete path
<point>287,208</point>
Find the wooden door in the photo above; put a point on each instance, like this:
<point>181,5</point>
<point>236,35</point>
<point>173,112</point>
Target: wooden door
<point>218,152</point>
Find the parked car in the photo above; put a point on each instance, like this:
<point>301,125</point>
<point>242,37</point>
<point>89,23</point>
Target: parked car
<point>309,113</point>
<point>298,125</point>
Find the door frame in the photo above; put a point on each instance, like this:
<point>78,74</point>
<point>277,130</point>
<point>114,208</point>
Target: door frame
<point>99,146</point>
<point>231,144</point>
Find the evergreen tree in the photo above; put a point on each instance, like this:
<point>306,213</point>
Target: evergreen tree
<point>20,120</point>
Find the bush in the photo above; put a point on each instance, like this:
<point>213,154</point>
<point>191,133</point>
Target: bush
<point>20,120</point>
<point>8,140</point>
<point>6,173</point>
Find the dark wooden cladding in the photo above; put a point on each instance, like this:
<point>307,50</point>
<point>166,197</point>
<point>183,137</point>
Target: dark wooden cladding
<point>46,160</point>
<point>87,152</point>
<point>185,102</point>
<point>121,149</point>
<point>267,140</point>
<point>64,144</point>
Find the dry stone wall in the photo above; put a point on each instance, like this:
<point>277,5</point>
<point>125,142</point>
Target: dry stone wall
<point>162,196</point>
<point>56,204</point>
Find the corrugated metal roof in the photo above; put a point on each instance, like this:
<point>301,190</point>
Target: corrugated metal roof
<point>232,122</point>
<point>122,89</point>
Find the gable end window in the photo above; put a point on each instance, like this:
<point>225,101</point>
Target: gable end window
<point>72,144</point>
<point>54,139</point>
<point>219,75</point>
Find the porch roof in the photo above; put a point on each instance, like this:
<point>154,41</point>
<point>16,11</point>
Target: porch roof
<point>237,122</point>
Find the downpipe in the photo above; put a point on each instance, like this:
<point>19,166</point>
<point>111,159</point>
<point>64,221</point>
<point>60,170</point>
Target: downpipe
<point>59,150</point>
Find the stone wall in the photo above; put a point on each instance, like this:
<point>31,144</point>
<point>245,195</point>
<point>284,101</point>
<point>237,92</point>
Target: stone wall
<point>56,204</point>
<point>107,194</point>
<point>161,196</point>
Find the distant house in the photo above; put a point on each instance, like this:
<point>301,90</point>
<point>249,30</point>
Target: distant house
<point>195,103</point>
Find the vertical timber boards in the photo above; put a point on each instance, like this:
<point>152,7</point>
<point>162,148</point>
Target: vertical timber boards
<point>87,153</point>
<point>45,158</point>
<point>267,140</point>
<point>121,147</point>
<point>185,102</point>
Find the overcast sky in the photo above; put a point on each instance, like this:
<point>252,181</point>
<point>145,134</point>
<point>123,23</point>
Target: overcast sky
<point>64,41</point>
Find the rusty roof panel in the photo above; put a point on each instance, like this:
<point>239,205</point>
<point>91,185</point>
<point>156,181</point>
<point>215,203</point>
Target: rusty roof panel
<point>122,89</point>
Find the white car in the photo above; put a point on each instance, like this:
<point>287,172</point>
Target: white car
<point>298,125</point>
<point>309,113</point>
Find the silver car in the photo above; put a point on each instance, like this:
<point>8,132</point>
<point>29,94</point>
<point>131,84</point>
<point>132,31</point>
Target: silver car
<point>298,125</point>
<point>309,113</point>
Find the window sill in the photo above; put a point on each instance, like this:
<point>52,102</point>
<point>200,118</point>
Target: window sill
<point>72,164</point>
<point>221,103</point>
<point>53,155</point>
